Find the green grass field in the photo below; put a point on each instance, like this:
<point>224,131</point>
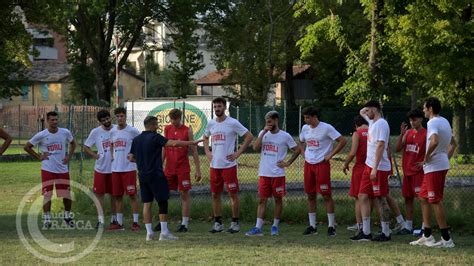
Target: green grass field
<point>200,247</point>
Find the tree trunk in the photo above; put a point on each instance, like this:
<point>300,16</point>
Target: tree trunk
<point>289,85</point>
<point>470,129</point>
<point>375,33</point>
<point>459,129</point>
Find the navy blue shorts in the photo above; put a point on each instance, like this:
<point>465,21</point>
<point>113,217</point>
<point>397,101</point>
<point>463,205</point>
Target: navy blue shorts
<point>154,188</point>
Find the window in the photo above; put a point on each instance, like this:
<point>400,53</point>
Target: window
<point>24,92</point>
<point>44,92</point>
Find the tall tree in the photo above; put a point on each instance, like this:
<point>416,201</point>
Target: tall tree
<point>436,41</point>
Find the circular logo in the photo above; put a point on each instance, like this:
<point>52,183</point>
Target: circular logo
<point>192,117</point>
<point>37,231</point>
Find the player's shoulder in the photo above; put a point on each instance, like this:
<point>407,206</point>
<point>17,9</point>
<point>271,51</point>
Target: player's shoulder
<point>305,128</point>
<point>63,130</point>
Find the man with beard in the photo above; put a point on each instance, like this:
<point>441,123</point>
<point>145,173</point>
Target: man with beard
<point>101,137</point>
<point>223,131</point>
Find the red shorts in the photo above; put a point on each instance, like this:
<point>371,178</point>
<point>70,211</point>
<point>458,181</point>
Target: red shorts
<point>124,182</point>
<point>102,183</point>
<point>271,187</point>
<point>181,182</point>
<point>377,188</point>
<point>60,181</point>
<point>432,187</point>
<point>317,178</point>
<point>227,176</point>
<point>357,172</point>
<point>412,185</point>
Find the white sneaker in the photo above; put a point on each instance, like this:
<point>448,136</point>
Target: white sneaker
<point>353,228</point>
<point>233,228</point>
<point>167,236</point>
<point>424,241</point>
<point>217,228</point>
<point>150,237</point>
<point>398,227</point>
<point>442,244</point>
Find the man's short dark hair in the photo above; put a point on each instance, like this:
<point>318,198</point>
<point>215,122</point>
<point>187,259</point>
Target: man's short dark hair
<point>373,103</point>
<point>434,103</point>
<point>359,121</point>
<point>311,111</point>
<point>150,120</point>
<point>220,100</point>
<point>416,113</point>
<point>103,114</point>
<point>272,115</point>
<point>175,114</point>
<point>120,110</point>
<point>49,114</point>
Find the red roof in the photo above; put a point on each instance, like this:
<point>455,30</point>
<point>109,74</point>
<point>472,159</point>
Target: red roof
<point>217,77</point>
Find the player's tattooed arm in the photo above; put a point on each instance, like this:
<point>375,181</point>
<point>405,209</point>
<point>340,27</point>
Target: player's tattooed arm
<point>7,140</point>
<point>257,145</point>
<point>452,147</point>
<point>296,152</point>
<point>248,137</point>
<point>352,152</point>
<point>341,142</point>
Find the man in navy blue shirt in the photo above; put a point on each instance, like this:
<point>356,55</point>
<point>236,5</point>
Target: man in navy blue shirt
<point>146,152</point>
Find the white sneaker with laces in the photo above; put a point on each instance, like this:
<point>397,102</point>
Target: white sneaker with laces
<point>424,241</point>
<point>234,228</point>
<point>217,228</point>
<point>442,244</point>
<point>150,237</point>
<point>353,228</point>
<point>167,236</point>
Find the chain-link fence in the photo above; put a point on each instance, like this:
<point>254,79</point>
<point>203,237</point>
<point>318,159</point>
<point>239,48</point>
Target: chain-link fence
<point>23,122</point>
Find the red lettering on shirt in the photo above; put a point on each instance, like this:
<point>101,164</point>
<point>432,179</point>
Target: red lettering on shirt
<point>106,144</point>
<point>218,137</point>
<point>120,143</point>
<point>55,147</point>
<point>412,148</point>
<point>312,143</point>
<point>270,147</point>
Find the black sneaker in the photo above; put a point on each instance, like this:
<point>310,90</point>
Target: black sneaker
<point>182,229</point>
<point>382,238</point>
<point>404,231</point>
<point>361,237</point>
<point>157,228</point>
<point>310,230</point>
<point>99,225</point>
<point>46,225</point>
<point>69,222</point>
<point>331,231</point>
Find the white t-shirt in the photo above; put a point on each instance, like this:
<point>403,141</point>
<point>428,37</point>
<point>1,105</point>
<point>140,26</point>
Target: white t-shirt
<point>318,141</point>
<point>55,145</point>
<point>378,131</point>
<point>439,157</point>
<point>102,139</point>
<point>223,136</point>
<point>122,142</point>
<point>274,149</point>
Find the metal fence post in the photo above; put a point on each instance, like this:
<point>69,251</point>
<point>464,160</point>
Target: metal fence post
<point>284,113</point>
<point>238,119</point>
<point>19,124</point>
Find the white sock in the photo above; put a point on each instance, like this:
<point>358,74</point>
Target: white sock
<point>400,219</point>
<point>47,216</point>
<point>185,221</point>
<point>164,227</point>
<point>120,218</point>
<point>135,217</point>
<point>67,214</point>
<point>312,219</point>
<point>366,225</point>
<point>276,222</point>
<point>113,218</point>
<point>409,225</point>
<point>259,223</point>
<point>149,229</point>
<point>331,219</point>
<point>423,226</point>
<point>101,219</point>
<point>385,228</point>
